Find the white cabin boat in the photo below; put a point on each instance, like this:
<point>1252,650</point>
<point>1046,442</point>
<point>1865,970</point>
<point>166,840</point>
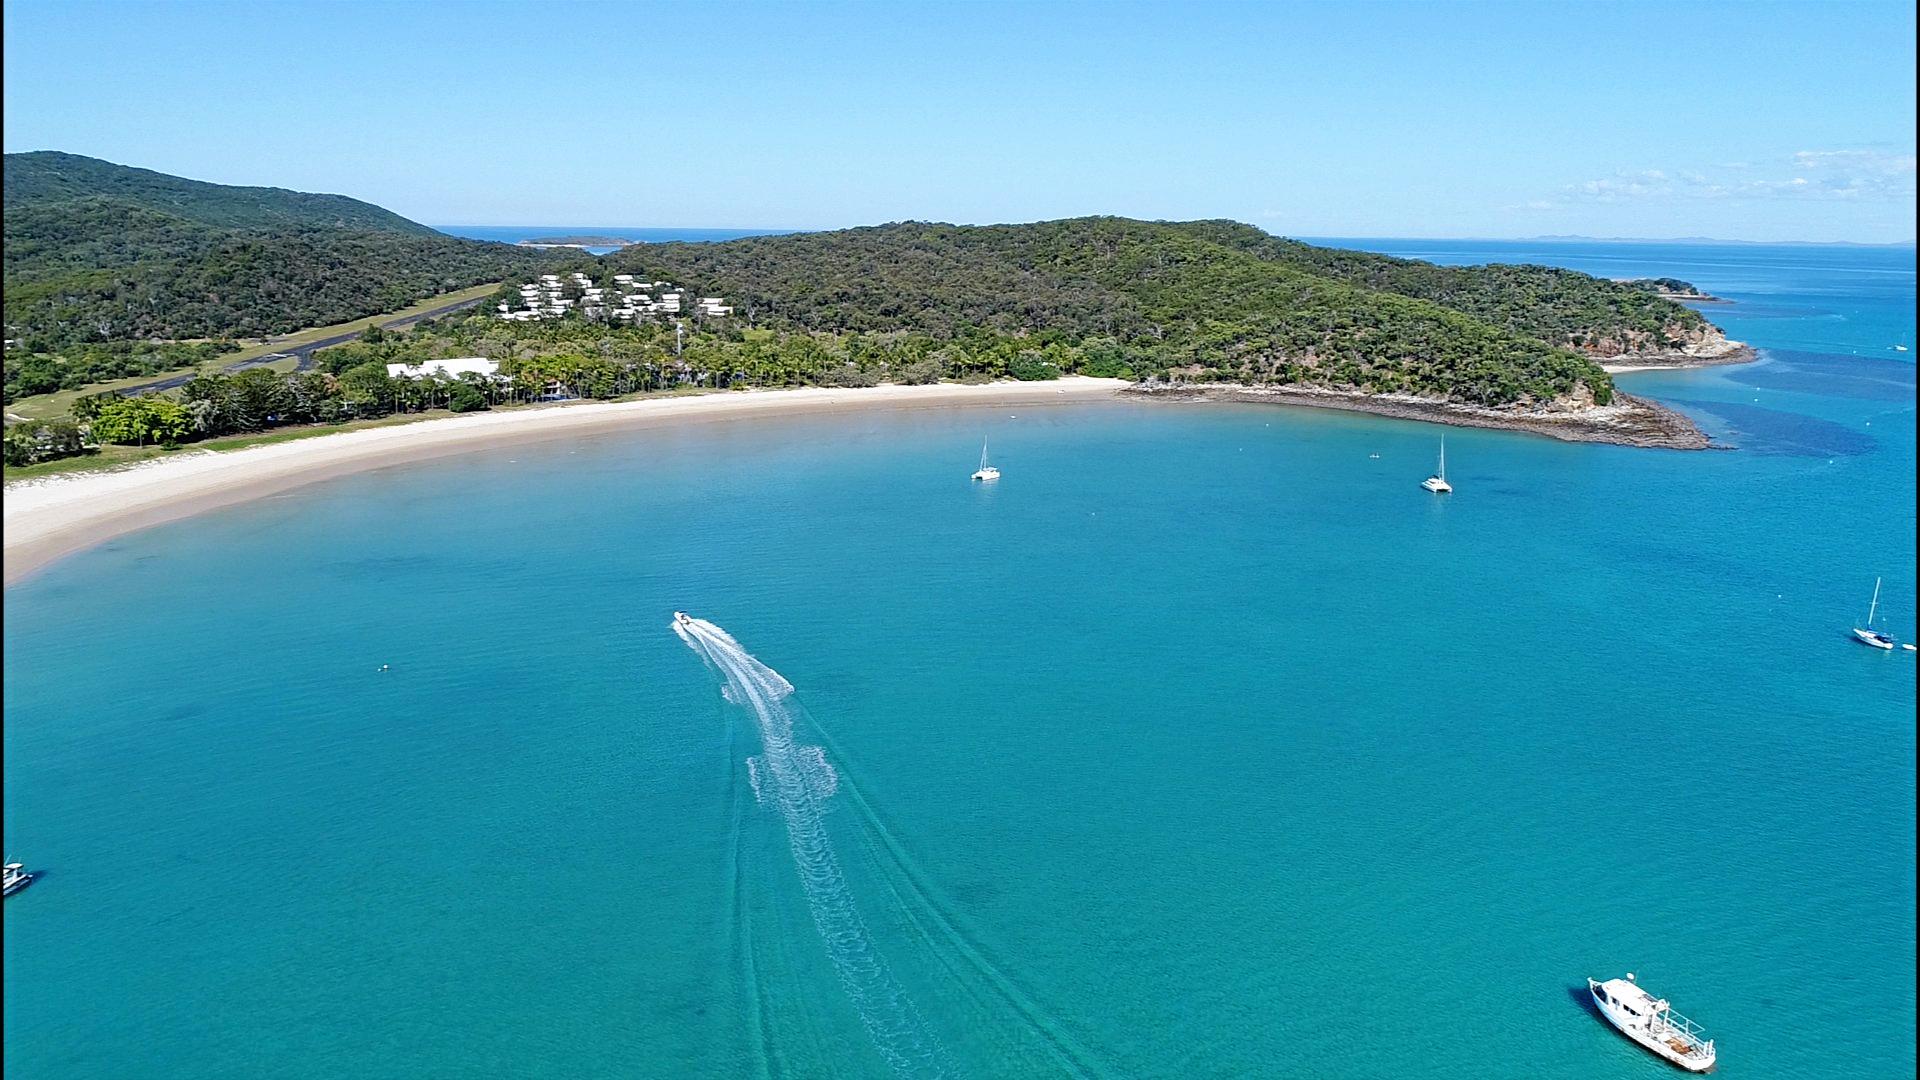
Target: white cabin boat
<point>1437,483</point>
<point>1652,1023</point>
<point>985,471</point>
<point>16,878</point>
<point>1867,635</point>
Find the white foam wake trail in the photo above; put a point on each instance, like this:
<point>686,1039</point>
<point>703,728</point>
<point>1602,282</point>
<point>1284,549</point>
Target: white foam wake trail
<point>795,781</point>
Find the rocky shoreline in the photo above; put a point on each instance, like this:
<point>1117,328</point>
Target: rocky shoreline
<point>1629,421</point>
<point>1710,353</point>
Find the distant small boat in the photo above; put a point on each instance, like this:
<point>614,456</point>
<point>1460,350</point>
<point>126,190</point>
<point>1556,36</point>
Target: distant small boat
<point>1899,348</point>
<point>1437,483</point>
<point>16,879</point>
<point>1652,1023</point>
<point>985,471</point>
<point>1867,635</point>
<point>682,618</point>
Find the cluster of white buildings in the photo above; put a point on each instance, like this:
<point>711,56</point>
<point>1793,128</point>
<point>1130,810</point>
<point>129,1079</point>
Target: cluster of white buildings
<point>626,301</point>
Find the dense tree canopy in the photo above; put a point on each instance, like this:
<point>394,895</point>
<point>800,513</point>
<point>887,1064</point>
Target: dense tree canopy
<point>1197,298</point>
<point>97,252</point>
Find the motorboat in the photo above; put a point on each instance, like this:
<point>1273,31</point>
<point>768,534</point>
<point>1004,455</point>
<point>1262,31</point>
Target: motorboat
<point>17,878</point>
<point>1652,1023</point>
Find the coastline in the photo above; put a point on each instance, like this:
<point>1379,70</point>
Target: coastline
<point>1709,354</point>
<point>48,519</point>
<point>1630,421</point>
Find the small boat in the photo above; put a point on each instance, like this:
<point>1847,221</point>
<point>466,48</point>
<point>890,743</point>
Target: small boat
<point>1899,348</point>
<point>1867,635</point>
<point>1437,483</point>
<point>16,879</point>
<point>1652,1023</point>
<point>985,471</point>
<point>682,618</point>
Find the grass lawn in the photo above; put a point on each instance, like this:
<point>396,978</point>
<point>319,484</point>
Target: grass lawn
<point>55,405</point>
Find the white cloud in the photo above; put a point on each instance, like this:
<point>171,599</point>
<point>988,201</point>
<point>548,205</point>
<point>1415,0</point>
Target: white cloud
<point>1851,175</point>
<point>1877,162</point>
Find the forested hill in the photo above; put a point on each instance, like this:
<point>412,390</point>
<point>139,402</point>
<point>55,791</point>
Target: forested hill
<point>1563,307</point>
<point>48,177</point>
<point>97,252</point>
<point>1211,299</point>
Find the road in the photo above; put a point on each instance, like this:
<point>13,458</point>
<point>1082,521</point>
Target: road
<point>304,353</point>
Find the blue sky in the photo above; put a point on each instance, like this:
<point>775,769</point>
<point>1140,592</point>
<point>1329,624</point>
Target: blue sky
<point>1743,121</point>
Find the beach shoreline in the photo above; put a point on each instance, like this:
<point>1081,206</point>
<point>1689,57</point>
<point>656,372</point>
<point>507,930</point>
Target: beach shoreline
<point>48,519</point>
<point>51,518</point>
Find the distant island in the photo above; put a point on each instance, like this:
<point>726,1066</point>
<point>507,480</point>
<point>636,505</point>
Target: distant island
<point>576,242</point>
<point>1673,289</point>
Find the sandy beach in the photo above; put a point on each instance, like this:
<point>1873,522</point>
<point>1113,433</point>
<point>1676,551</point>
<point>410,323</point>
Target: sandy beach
<point>53,517</point>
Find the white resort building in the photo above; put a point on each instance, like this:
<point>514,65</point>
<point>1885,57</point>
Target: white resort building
<point>452,368</point>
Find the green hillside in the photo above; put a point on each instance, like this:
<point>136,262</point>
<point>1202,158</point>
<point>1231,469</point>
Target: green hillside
<point>1171,297</point>
<point>48,177</point>
<point>97,252</point>
<point>1563,307</point>
<point>100,256</point>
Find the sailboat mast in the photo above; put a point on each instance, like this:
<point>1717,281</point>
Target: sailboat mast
<point>1875,605</point>
<point>1443,457</point>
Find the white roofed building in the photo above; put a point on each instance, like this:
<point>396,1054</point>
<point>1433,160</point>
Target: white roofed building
<point>452,368</point>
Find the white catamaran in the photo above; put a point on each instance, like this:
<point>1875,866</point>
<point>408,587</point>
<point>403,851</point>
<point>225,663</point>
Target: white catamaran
<point>1437,483</point>
<point>985,471</point>
<point>1652,1023</point>
<point>1867,635</point>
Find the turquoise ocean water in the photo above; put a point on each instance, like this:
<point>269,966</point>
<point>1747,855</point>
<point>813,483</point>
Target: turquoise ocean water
<point>1203,744</point>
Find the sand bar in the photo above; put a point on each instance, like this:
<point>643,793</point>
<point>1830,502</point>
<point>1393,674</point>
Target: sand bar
<point>46,519</point>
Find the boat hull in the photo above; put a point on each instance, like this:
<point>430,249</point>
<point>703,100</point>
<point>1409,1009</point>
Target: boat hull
<point>1868,637</point>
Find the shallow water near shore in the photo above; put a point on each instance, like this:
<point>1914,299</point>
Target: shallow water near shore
<point>1205,743</point>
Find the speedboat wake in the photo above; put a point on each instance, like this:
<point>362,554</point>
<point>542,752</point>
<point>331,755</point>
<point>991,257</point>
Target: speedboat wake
<point>795,782</point>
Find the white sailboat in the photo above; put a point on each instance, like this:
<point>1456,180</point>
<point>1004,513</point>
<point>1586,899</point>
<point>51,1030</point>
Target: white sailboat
<point>1867,635</point>
<point>1437,483</point>
<point>985,471</point>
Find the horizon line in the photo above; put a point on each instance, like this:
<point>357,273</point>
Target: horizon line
<point>1537,237</point>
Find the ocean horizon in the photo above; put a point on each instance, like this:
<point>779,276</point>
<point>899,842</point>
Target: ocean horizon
<point>1205,743</point>
<point>513,234</point>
